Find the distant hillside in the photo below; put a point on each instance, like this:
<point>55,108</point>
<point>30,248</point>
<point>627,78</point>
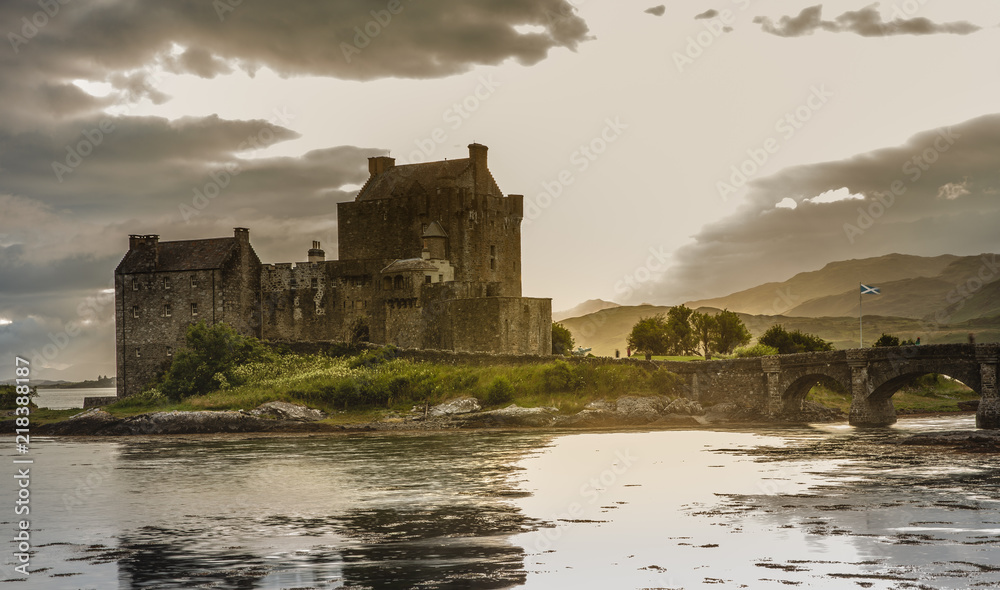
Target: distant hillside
<point>607,330</point>
<point>589,306</point>
<point>912,287</point>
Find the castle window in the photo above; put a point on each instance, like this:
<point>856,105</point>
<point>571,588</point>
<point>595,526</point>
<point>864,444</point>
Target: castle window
<point>194,282</point>
<point>170,351</point>
<point>194,309</point>
<point>386,283</point>
<point>440,278</point>
<point>398,282</point>
<point>137,353</point>
<point>493,263</point>
<point>427,279</point>
<point>166,310</point>
<point>135,284</point>
<point>135,311</point>
<point>293,284</point>
<point>314,283</point>
<point>493,257</point>
<point>166,283</point>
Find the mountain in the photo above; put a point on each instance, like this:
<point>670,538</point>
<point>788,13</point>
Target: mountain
<point>950,288</point>
<point>589,306</point>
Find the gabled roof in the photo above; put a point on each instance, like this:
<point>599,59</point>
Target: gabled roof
<point>434,230</point>
<point>409,265</point>
<point>179,256</point>
<point>401,180</point>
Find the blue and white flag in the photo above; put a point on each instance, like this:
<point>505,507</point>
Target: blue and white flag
<point>866,290</point>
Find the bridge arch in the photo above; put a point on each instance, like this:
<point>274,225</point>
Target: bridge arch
<point>888,388</point>
<point>794,394</point>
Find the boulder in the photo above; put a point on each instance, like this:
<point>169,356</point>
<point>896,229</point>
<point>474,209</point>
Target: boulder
<point>685,407</point>
<point>639,410</point>
<point>590,417</point>
<point>512,415</point>
<point>287,411</point>
<point>462,405</point>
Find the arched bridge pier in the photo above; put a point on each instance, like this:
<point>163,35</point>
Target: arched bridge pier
<point>778,385</point>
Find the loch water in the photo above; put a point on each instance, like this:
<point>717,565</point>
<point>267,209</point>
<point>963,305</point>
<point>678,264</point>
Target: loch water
<point>820,506</point>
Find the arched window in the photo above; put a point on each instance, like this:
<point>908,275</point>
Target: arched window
<point>386,283</point>
<point>398,282</point>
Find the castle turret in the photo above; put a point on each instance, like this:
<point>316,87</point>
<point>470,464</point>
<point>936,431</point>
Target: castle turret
<point>435,241</point>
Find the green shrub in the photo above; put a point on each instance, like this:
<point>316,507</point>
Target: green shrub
<point>560,377</point>
<point>9,395</point>
<point>755,350</point>
<point>208,359</point>
<point>500,392</point>
<point>373,357</point>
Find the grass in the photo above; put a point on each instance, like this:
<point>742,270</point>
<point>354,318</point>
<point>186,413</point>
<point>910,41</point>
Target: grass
<point>365,387</point>
<point>928,394</point>
<point>677,358</point>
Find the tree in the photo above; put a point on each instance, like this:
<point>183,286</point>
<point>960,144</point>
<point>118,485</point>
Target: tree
<point>649,336</point>
<point>562,339</point>
<point>680,333</point>
<point>731,332</point>
<point>706,329</point>
<point>208,358</point>
<point>886,340</point>
<point>791,342</point>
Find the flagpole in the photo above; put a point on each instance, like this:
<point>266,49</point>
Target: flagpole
<point>861,324</point>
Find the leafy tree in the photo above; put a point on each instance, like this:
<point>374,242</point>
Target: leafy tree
<point>562,339</point>
<point>706,329</point>
<point>886,340</point>
<point>791,342</point>
<point>649,336</point>
<point>731,332</point>
<point>208,358</point>
<point>680,333</point>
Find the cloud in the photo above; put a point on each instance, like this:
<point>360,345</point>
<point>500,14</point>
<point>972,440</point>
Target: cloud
<point>866,22</point>
<point>934,194</point>
<point>656,10</point>
<point>710,13</point>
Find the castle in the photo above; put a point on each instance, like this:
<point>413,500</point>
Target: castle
<point>429,257</point>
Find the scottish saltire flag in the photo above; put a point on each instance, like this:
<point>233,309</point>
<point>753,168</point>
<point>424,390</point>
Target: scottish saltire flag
<point>866,290</point>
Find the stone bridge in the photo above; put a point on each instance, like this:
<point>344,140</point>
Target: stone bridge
<point>778,384</point>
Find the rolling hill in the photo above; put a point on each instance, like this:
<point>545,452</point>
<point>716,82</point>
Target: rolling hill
<point>589,306</point>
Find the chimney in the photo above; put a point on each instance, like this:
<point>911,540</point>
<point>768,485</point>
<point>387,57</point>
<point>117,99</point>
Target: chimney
<point>477,153</point>
<point>316,254</point>
<point>380,164</point>
<point>149,245</point>
<point>242,234</point>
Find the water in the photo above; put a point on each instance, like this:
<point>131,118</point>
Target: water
<point>811,507</point>
<point>64,399</point>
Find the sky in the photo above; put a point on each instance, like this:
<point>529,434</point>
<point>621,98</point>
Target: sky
<point>667,152</point>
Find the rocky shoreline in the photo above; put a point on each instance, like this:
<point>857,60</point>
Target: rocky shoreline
<point>462,413</point>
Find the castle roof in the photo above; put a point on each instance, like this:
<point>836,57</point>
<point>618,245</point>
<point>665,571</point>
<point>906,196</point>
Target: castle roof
<point>413,178</point>
<point>409,265</point>
<point>434,230</point>
<point>179,256</point>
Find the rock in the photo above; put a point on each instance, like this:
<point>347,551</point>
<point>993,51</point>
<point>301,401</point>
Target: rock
<point>982,441</point>
<point>287,411</point>
<point>590,417</point>
<point>685,406</point>
<point>639,410</point>
<point>512,415</point>
<point>600,404</point>
<point>680,420</point>
<point>85,423</point>
<point>462,405</point>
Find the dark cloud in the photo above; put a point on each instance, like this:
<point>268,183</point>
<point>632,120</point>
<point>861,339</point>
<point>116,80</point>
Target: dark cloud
<point>710,13</point>
<point>948,202</point>
<point>656,10</point>
<point>866,22</point>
